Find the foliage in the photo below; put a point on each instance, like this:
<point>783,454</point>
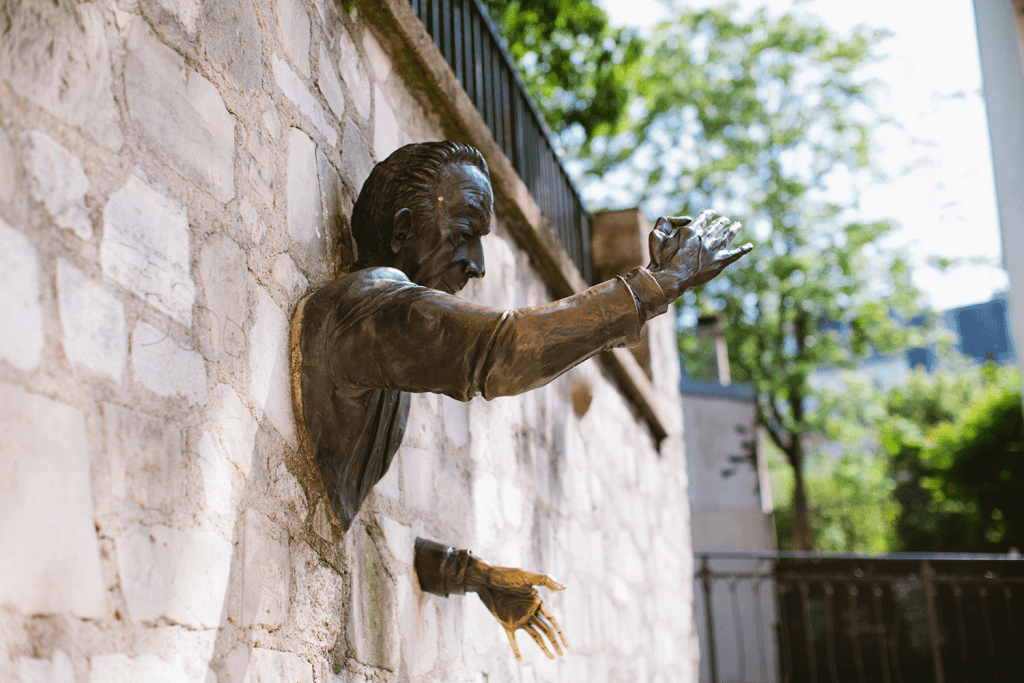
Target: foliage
<point>956,447</point>
<point>763,119</point>
<point>574,65</point>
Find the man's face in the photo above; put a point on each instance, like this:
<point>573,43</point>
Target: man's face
<point>446,252</point>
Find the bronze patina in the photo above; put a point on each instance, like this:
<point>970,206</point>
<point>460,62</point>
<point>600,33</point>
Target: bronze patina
<point>393,325</point>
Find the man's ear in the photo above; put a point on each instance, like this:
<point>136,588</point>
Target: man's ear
<point>402,230</point>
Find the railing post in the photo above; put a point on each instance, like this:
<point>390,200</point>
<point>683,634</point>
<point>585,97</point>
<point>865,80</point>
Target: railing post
<point>705,575</point>
<point>933,622</point>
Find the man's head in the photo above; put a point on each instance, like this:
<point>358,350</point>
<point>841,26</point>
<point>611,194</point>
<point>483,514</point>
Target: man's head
<point>423,210</point>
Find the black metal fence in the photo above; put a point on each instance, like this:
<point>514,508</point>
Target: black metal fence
<point>837,618</point>
<point>469,42</point>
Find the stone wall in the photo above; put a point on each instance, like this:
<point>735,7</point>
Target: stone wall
<point>174,176</point>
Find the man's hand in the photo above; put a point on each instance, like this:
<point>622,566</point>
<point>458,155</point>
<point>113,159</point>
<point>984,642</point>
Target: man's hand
<point>686,253</point>
<point>510,596</point>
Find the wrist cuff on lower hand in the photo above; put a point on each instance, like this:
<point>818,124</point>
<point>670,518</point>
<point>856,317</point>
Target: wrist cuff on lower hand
<point>440,569</point>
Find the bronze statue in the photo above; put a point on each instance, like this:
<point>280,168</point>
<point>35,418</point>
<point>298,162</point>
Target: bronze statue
<point>393,325</point>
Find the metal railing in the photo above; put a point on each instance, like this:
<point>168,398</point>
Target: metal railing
<point>470,44</point>
<point>837,618</point>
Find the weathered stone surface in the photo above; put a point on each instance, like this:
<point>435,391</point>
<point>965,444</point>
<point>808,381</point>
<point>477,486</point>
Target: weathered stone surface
<point>233,428</point>
<point>418,490</point>
<point>305,206</point>
<point>223,272</point>
<point>350,64</point>
<point>292,282</point>
<point>356,159</point>
<point>7,168</point>
<point>57,669</point>
<point>387,137</point>
<point>61,62</point>
<point>332,198</point>
<point>180,114</point>
<point>145,458</point>
<point>380,60</point>
<point>272,666</point>
<point>297,93</point>
<point>56,179</point>
<point>262,170</point>
<point>314,616</point>
<point>456,421</point>
<point>293,32</point>
<point>233,42</point>
<point>373,626</point>
<point>161,365</point>
<point>50,562</point>
<point>145,248</point>
<point>268,362</point>
<point>330,84</point>
<point>119,668</point>
<point>266,572</point>
<point>21,335</point>
<point>179,575</point>
<point>93,323</point>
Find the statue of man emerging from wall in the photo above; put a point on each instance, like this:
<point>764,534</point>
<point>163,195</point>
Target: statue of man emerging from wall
<point>393,325</point>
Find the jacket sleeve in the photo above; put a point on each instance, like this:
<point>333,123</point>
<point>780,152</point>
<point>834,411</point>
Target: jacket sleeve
<point>423,340</point>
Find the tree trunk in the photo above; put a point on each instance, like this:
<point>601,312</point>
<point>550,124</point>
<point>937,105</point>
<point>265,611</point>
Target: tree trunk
<point>801,520</point>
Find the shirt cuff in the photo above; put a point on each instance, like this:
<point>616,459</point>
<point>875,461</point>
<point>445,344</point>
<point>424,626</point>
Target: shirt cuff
<point>647,293</point>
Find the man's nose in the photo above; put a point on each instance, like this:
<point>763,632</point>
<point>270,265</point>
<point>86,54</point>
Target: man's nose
<point>475,260</point>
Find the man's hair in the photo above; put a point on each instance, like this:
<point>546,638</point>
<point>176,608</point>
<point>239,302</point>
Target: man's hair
<point>406,179</point>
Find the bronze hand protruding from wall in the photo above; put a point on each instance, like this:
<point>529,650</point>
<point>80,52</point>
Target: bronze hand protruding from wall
<point>507,592</point>
<point>686,253</point>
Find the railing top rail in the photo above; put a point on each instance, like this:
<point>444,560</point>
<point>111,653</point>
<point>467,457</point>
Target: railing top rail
<point>826,556</point>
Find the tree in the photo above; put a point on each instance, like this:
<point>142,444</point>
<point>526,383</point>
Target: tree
<point>956,450</point>
<point>574,64</point>
<point>763,119</point>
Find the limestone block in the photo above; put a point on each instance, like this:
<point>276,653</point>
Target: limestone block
<point>179,575</point>
<point>254,225</point>
<point>297,93</point>
<point>232,427</point>
<point>387,137</point>
<point>330,84</point>
<point>399,539</point>
<point>322,524</point>
<point>185,13</point>
<point>305,207</point>
<point>145,458</point>
<point>380,61</point>
<point>186,649</point>
<point>7,168</point>
<point>269,365</point>
<point>332,195</point>
<point>57,669</point>
<point>164,367</point>
<point>293,32</point>
<point>350,64</point>
<point>222,273</point>
<point>56,179</point>
<point>222,484</point>
<point>389,488</point>
<point>266,572</point>
<point>417,476</point>
<point>50,562</point>
<point>145,248</point>
<point>61,62</point>
<point>262,170</point>
<point>92,321</point>
<point>289,278</point>
<point>355,156</point>
<point>231,34</point>
<point>21,335</point>
<point>180,114</point>
<point>456,421</point>
<point>272,666</point>
<point>319,599</point>
<point>119,668</point>
<point>373,624</point>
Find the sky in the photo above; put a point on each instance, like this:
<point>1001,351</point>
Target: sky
<point>941,190</point>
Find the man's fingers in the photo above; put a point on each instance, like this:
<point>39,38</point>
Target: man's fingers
<point>521,577</point>
<point>734,255</point>
<point>702,220</point>
<point>537,622</point>
<point>543,611</point>
<point>512,641</point>
<point>715,230</point>
<point>731,233</point>
<point>540,641</point>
